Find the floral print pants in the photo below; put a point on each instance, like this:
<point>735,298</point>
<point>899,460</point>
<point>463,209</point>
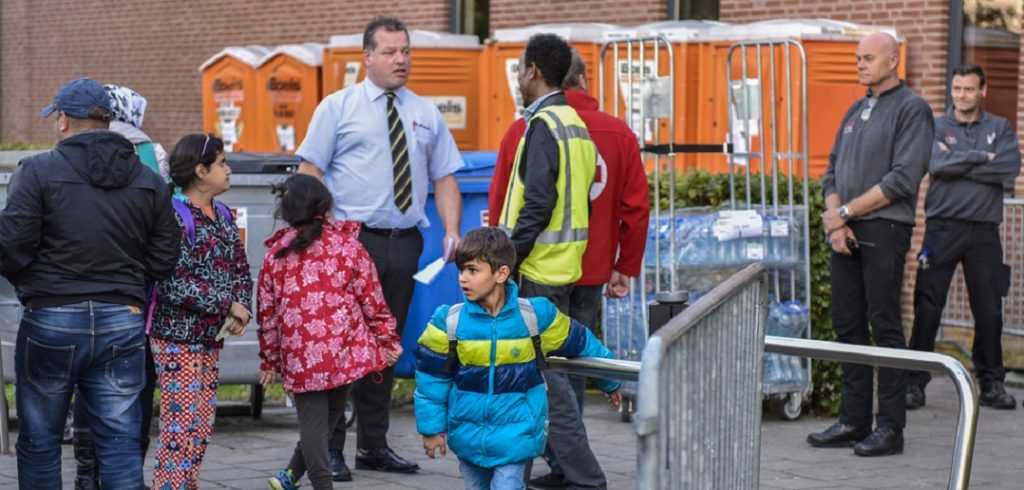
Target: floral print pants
<point>187,375</point>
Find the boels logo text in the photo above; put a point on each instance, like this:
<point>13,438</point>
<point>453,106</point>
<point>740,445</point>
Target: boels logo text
<point>291,84</point>
<point>450,107</point>
<point>224,86</point>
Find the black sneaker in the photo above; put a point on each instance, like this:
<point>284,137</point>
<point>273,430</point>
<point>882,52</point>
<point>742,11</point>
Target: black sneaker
<point>884,441</point>
<point>997,397</point>
<point>839,435</point>
<point>339,470</point>
<point>915,397</point>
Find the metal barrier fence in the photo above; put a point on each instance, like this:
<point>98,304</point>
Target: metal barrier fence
<point>698,416</point>
<point>958,311</point>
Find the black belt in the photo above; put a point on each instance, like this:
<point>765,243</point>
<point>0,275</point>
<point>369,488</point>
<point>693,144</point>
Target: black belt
<point>391,233</point>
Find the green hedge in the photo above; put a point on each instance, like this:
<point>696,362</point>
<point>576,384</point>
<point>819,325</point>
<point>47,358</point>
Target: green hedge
<point>701,188</point>
<point>17,146</point>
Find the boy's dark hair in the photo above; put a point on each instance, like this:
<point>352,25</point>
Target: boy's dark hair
<point>303,202</point>
<point>552,56</point>
<point>389,24</point>
<point>970,69</point>
<point>486,244</point>
<point>190,150</point>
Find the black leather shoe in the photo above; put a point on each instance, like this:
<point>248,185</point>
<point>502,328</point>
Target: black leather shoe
<point>915,397</point>
<point>339,470</point>
<point>997,397</point>
<point>383,459</point>
<point>839,435</point>
<point>882,442</point>
<point>549,481</point>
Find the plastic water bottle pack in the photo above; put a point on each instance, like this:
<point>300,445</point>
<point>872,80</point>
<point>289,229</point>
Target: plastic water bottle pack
<point>625,330</point>
<point>785,319</point>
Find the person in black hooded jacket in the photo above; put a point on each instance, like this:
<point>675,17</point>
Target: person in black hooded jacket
<point>85,228</point>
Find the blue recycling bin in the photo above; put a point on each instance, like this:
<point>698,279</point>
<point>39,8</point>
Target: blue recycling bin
<point>474,182</point>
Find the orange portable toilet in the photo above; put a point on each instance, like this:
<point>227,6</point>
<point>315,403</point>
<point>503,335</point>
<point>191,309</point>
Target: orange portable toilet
<point>996,51</point>
<point>830,48</point>
<point>288,90</point>
<point>445,70</point>
<point>229,98</point>
<point>502,63</point>
<point>684,41</point>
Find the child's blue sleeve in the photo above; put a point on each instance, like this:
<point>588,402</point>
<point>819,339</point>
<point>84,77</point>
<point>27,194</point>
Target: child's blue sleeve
<point>564,337</point>
<point>433,383</point>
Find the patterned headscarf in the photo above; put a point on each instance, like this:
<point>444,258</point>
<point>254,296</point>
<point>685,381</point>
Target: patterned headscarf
<point>127,105</point>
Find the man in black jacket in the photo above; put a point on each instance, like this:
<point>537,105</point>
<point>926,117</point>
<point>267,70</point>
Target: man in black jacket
<point>974,156</point>
<point>85,228</point>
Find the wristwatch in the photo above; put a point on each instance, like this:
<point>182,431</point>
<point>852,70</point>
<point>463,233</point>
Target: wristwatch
<point>844,212</point>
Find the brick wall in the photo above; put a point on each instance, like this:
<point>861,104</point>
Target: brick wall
<point>518,13</point>
<point>156,48</point>
<point>924,24</point>
<point>1018,189</point>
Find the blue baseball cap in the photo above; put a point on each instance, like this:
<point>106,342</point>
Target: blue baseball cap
<point>77,97</point>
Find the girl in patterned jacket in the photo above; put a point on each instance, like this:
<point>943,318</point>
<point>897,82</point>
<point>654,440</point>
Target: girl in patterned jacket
<point>210,290</point>
<point>323,320</point>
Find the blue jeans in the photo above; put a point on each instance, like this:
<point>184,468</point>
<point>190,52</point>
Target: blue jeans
<point>504,477</point>
<point>100,347</point>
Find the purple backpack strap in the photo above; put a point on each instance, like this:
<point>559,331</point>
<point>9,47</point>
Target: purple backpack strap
<point>188,222</point>
<point>224,211</point>
<point>151,309</point>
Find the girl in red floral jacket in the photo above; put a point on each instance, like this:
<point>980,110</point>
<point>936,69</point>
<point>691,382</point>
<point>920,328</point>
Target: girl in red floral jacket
<point>323,320</point>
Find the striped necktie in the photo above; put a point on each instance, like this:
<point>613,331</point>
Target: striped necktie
<point>399,157</point>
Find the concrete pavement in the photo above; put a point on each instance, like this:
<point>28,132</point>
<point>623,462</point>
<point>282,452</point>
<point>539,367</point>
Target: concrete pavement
<point>245,452</point>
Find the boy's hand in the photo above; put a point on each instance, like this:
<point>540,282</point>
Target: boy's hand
<point>393,356</point>
<point>267,377</point>
<point>615,398</point>
<point>431,443</point>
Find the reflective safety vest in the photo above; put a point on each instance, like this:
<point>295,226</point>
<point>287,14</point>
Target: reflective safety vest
<point>557,255</point>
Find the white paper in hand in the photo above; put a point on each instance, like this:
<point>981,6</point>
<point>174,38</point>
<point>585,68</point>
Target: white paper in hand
<point>224,330</point>
<point>428,273</point>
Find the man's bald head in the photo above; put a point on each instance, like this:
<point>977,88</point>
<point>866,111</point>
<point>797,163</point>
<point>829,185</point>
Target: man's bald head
<point>881,42</point>
<point>878,57</point>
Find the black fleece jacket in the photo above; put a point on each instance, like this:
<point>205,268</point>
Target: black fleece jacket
<point>86,221</point>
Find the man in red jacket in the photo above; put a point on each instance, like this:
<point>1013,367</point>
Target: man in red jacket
<point>619,211</point>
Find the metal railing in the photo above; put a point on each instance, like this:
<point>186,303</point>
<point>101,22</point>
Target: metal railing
<point>963,450</point>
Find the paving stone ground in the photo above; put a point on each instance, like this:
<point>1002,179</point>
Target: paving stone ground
<point>245,452</point>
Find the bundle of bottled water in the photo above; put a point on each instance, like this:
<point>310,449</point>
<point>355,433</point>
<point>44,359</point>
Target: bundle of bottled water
<point>785,319</point>
<point>625,327</point>
<point>721,238</point>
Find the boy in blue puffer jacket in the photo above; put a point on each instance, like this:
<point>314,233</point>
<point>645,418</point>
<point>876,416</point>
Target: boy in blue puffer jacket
<point>479,386</point>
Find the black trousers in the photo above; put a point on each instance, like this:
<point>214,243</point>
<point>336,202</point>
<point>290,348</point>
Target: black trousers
<point>397,258</point>
<point>866,290</point>
<point>318,411</point>
<point>584,307</point>
<point>977,246</point>
<point>568,451</point>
